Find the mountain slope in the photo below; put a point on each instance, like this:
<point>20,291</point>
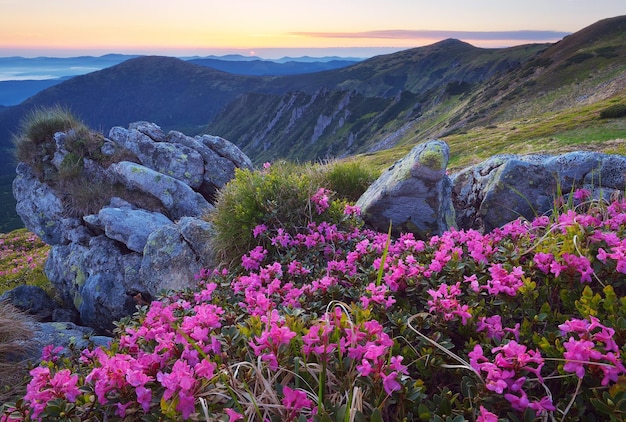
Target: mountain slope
<point>14,92</point>
<point>395,99</point>
<point>417,70</point>
<point>270,68</point>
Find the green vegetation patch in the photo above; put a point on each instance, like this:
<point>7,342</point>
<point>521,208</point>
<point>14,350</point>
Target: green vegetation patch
<point>22,256</point>
<point>613,112</point>
<point>280,198</point>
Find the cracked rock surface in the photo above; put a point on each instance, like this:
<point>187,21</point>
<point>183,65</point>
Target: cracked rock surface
<point>107,262</point>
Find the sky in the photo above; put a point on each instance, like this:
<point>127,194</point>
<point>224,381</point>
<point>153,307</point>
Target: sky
<point>277,28</point>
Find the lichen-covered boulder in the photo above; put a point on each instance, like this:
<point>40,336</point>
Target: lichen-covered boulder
<point>121,222</point>
<point>517,189</point>
<point>174,160</point>
<point>31,299</point>
<point>60,334</point>
<point>610,173</point>
<point>226,149</point>
<point>99,280</point>
<point>506,187</point>
<point>413,195</point>
<point>124,253</point>
<point>175,254</point>
<point>178,198</point>
<point>38,206</point>
<point>221,158</point>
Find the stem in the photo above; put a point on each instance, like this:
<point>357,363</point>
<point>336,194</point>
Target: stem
<point>571,402</point>
<point>381,269</point>
<point>463,362</point>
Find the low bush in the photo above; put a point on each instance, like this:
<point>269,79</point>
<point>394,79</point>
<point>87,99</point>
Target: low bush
<point>280,197</point>
<point>613,112</point>
<point>349,179</point>
<point>34,145</point>
<point>527,322</point>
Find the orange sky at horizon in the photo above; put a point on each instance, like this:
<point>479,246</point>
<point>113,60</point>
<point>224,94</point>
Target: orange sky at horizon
<point>149,27</point>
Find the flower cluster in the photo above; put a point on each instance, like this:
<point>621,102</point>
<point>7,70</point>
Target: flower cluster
<point>508,371</point>
<point>589,344</point>
<point>320,199</point>
<point>503,325</point>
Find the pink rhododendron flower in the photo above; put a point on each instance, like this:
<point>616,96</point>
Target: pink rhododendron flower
<point>233,415</point>
<point>444,302</point>
<point>486,416</point>
<point>390,382</point>
<point>295,399</point>
<point>259,230</point>
<point>582,194</point>
<point>352,210</point>
<point>320,199</point>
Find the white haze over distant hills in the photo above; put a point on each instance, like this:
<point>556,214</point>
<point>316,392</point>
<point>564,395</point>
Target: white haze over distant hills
<point>23,77</point>
<point>19,68</point>
<point>41,74</point>
<point>42,68</point>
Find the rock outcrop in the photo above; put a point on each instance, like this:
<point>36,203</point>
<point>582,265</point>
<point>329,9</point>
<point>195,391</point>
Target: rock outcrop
<point>106,262</point>
<point>416,196</point>
<point>503,188</point>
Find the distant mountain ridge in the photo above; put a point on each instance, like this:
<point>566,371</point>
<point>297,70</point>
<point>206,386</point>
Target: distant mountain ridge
<point>377,103</point>
<point>271,68</point>
<point>21,78</point>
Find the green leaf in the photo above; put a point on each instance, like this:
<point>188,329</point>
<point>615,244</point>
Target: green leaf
<point>377,416</point>
<point>423,412</point>
<point>341,413</point>
<point>445,408</point>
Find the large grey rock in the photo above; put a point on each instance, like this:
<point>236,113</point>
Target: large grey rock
<point>178,198</point>
<point>38,206</point>
<point>175,254</point>
<point>152,130</point>
<point>504,188</point>
<point>127,225</point>
<point>199,235</point>
<point>220,159</point>
<point>611,173</point>
<point>104,264</point>
<point>60,334</point>
<point>413,195</point>
<point>174,160</point>
<point>99,280</point>
<point>226,149</point>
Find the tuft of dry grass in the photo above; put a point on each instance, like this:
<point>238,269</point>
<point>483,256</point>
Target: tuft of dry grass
<point>15,336</point>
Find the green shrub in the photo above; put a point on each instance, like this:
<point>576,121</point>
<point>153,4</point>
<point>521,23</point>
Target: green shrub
<point>350,179</point>
<point>35,143</point>
<point>613,112</point>
<point>280,198</point>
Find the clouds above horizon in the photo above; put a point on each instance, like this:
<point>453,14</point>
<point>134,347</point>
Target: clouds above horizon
<point>401,34</point>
